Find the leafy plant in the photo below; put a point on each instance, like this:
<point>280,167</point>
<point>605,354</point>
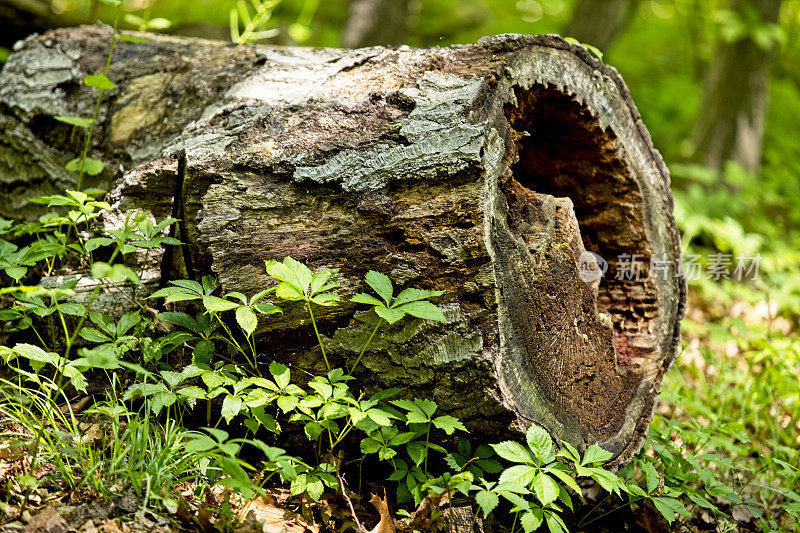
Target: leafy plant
<point>413,302</point>
<point>297,282</point>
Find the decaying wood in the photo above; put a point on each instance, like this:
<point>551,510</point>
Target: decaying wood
<point>485,170</point>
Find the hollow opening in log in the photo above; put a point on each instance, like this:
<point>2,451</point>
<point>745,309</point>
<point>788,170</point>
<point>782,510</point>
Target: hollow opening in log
<point>579,352</point>
<point>565,152</point>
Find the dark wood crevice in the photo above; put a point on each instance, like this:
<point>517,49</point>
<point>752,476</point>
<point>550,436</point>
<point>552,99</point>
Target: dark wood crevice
<point>563,151</point>
<point>587,346</point>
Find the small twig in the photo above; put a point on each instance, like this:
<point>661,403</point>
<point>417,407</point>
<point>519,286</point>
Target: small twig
<point>359,527</point>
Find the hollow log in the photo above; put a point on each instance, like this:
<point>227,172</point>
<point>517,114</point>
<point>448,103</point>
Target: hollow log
<point>494,171</point>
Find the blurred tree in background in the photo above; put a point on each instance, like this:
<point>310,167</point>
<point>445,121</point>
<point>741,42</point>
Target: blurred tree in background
<point>377,22</point>
<point>599,22</point>
<point>717,82</point>
<point>731,121</point>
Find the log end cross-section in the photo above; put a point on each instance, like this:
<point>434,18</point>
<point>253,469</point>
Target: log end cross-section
<point>515,174</point>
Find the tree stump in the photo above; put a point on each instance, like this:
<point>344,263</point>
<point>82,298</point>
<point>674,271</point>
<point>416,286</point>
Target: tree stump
<point>486,170</point>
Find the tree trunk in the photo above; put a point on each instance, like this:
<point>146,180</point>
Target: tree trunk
<point>735,99</point>
<point>376,22</point>
<point>19,18</point>
<point>485,170</point>
<point>599,22</point>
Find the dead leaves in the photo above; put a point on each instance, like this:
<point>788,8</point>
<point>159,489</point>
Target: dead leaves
<point>386,524</point>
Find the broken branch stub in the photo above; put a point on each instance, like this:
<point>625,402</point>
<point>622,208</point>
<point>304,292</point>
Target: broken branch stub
<point>488,170</point>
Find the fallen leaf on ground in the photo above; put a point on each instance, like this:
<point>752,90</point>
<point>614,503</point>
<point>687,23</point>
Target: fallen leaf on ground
<point>386,525</point>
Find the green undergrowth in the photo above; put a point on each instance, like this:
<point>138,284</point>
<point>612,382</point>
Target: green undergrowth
<point>183,401</point>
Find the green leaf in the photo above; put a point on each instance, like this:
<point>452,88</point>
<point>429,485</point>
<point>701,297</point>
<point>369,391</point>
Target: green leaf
<point>554,523</point>
<point>299,32</point>
<point>664,506</point>
<point>412,295</point>
<point>370,445</point>
<point>299,484</point>
<point>247,320</point>
<point>381,284</point>
<point>565,478</point>
<point>214,303</point>
<point>408,405</point>
<point>16,273</point>
<point>313,430</point>
<point>322,281</point>
<point>513,451</point>
<point>91,166</point>
<point>158,23</point>
<point>192,392</point>
<point>531,520</point>
<point>326,299</point>
<point>192,371</point>
<point>315,488</point>
<point>173,379</point>
<point>702,502</point>
<point>200,443</point>
<point>487,501</point>
<point>362,298</point>
<point>595,454</point>
<point>101,357</point>
<point>427,406</point>
<point>266,309</point>
<point>402,438</point>
<point>104,322</point>
<point>81,122</point>
<point>92,335</point>
<point>424,310</point>
<point>34,353</point>
<point>281,373</point>
<point>545,488</point>
<point>287,291</point>
<point>179,319</point>
<point>231,406</point>
<point>389,315</point>
<point>448,424</point>
<point>417,451</point>
<point>287,403</point>
<point>651,476</point>
<point>190,285</point>
<point>72,308</point>
<point>76,377</point>
<point>540,443</point>
<point>93,244</point>
<point>608,480</point>
<point>519,474</point>
<point>99,81</point>
<point>213,379</point>
<point>143,390</point>
<point>381,417</point>
<point>292,272</point>
<point>127,321</point>
<point>115,274</point>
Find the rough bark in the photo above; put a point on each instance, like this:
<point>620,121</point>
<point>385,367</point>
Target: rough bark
<point>599,22</point>
<point>736,98</point>
<point>484,170</point>
<point>376,22</point>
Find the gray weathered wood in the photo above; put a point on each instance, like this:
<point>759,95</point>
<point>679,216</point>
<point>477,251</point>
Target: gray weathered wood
<point>485,170</point>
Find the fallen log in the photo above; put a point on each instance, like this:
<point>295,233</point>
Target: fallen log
<point>489,171</point>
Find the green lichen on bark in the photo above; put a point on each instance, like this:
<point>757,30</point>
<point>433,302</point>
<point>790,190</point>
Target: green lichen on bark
<point>441,141</point>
